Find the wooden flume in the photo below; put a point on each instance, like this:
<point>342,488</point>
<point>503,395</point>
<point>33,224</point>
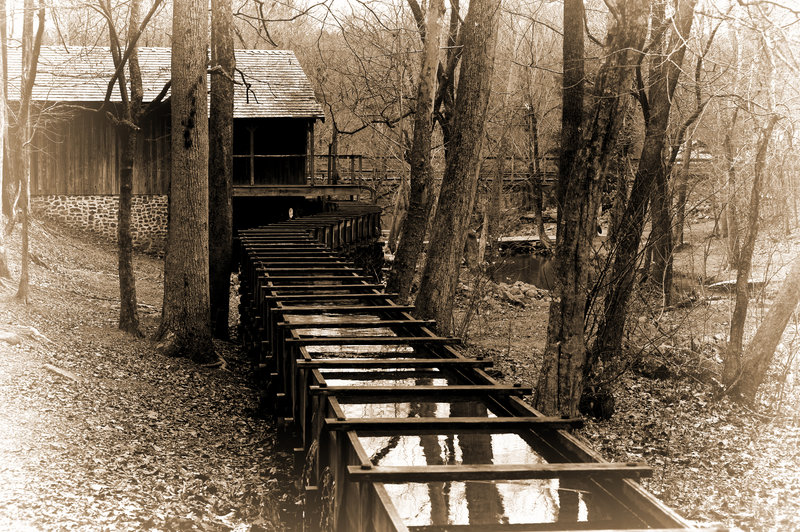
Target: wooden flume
<point>329,341</point>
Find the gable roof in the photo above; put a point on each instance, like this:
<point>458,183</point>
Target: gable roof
<point>276,86</point>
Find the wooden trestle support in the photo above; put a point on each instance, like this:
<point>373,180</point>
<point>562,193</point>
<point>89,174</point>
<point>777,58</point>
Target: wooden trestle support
<point>396,428</point>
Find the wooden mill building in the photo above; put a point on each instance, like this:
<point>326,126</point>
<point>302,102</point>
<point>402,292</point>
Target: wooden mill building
<point>75,162</point>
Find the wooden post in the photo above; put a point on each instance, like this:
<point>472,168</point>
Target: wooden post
<point>311,150</point>
<point>252,130</point>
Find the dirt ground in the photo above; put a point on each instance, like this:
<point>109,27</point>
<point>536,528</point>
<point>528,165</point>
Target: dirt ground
<point>100,432</point>
<point>715,461</point>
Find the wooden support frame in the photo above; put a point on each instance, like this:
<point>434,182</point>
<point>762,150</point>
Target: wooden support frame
<point>442,425</point>
<point>485,472</point>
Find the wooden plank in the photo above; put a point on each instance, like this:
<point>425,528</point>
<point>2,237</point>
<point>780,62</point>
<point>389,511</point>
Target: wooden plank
<point>447,424</point>
<point>559,526</point>
<point>306,287</point>
<point>373,340</point>
<point>298,190</point>
<point>392,363</point>
<point>358,309</point>
<point>441,391</point>
<point>519,527</point>
<point>305,278</point>
<point>355,323</point>
<point>486,472</point>
<point>325,297</point>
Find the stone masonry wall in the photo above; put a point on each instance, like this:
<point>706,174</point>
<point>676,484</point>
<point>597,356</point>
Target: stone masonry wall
<point>98,214</point>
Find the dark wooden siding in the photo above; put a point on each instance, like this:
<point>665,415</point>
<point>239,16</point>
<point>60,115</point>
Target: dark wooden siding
<point>77,153</point>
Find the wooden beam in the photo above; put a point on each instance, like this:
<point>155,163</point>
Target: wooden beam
<point>355,323</point>
<point>487,472</point>
<point>298,190</point>
<point>317,309</point>
<point>441,391</point>
<point>305,278</point>
<point>344,363</point>
<point>373,340</point>
<point>325,297</point>
<point>306,287</point>
<point>447,424</point>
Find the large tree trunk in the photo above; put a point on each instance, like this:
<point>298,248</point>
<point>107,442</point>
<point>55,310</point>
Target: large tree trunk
<point>758,357</point>
<point>733,355</point>
<point>650,178</point>
<point>459,183</point>
<point>220,165</point>
<point>185,328</point>
<point>561,379</point>
<point>422,181</point>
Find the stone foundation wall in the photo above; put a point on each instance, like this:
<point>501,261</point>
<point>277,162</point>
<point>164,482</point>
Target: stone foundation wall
<point>98,214</point>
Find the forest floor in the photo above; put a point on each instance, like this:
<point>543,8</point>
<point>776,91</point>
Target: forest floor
<point>715,461</point>
<point>100,432</point>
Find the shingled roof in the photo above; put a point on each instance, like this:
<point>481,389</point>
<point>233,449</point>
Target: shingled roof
<point>270,83</point>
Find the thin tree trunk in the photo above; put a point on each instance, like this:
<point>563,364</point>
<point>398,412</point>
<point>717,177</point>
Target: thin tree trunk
<point>760,351</point>
<point>5,272</point>
<point>128,311</point>
<point>731,227</point>
<point>536,176</point>
<point>185,328</point>
<point>650,179</point>
<point>561,379</point>
<point>459,183</point>
<point>682,189</point>
<point>220,215</point>
<point>129,137</point>
<point>733,356</point>
<point>30,59</point>
<point>422,179</point>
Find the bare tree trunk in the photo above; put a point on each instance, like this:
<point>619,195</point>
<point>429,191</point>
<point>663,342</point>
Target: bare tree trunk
<point>220,165</point>
<point>128,310</point>
<point>760,351</point>
<point>422,180</point>
<point>682,189</point>
<point>731,222</point>
<point>650,180</point>
<point>494,205</point>
<point>664,78</point>
<point>185,328</point>
<point>129,137</point>
<point>30,59</point>
<point>536,175</point>
<point>733,357</point>
<point>561,380</point>
<point>459,183</point>
<point>5,272</point>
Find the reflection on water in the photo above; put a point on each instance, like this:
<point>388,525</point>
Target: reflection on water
<point>343,350</point>
<point>348,331</point>
<point>451,449</point>
<point>395,381</point>
<point>330,318</point>
<point>462,503</point>
<point>406,409</point>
